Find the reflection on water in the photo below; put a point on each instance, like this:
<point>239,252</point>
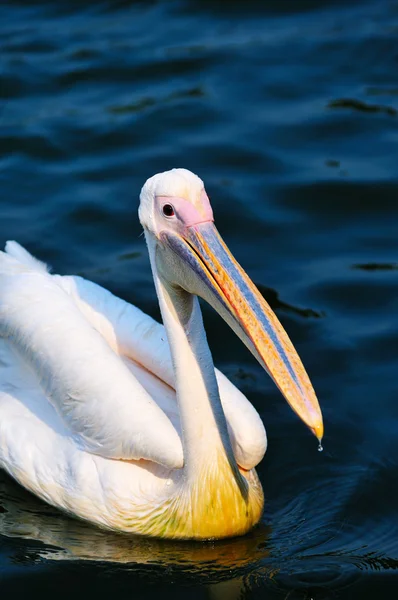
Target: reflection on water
<point>296,559</point>
<point>24,516</point>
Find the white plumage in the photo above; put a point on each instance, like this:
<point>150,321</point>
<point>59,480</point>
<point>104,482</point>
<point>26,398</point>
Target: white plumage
<point>83,372</point>
<point>113,417</point>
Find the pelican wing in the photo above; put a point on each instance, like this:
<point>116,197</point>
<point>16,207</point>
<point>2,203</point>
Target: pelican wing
<point>104,406</point>
<point>106,366</point>
<point>133,334</point>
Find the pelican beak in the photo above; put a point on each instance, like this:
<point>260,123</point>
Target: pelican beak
<point>217,277</point>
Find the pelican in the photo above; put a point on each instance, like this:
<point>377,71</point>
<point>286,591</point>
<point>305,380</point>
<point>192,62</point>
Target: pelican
<point>118,420</point>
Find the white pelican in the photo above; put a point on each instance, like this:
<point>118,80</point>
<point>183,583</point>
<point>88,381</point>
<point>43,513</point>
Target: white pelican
<point>116,419</point>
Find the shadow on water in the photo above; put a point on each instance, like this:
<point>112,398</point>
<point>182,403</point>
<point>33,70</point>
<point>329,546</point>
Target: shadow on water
<point>377,266</point>
<point>273,299</point>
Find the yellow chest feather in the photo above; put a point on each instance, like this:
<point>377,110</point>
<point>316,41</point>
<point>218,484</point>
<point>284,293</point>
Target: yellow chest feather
<point>221,502</point>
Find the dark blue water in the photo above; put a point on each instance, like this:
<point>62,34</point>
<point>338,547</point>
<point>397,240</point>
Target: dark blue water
<point>288,111</point>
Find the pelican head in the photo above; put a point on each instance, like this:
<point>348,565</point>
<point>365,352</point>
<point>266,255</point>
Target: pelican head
<point>191,256</point>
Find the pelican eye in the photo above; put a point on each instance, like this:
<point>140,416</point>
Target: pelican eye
<point>168,210</point>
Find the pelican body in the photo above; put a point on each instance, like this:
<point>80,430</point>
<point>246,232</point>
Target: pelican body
<point>116,419</point>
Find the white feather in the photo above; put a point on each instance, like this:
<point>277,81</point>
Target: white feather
<point>24,257</point>
<point>84,377</point>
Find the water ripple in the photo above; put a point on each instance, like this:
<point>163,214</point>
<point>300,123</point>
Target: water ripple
<point>287,109</point>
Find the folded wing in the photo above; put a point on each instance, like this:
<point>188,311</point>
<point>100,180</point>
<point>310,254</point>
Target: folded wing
<point>92,389</point>
<point>106,366</point>
<point>134,334</point>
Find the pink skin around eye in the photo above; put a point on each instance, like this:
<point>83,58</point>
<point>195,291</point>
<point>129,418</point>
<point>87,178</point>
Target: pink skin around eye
<point>188,213</point>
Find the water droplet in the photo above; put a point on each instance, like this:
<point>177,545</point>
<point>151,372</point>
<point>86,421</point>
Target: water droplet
<point>320,447</point>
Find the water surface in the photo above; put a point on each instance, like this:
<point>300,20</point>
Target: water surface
<point>288,111</point>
